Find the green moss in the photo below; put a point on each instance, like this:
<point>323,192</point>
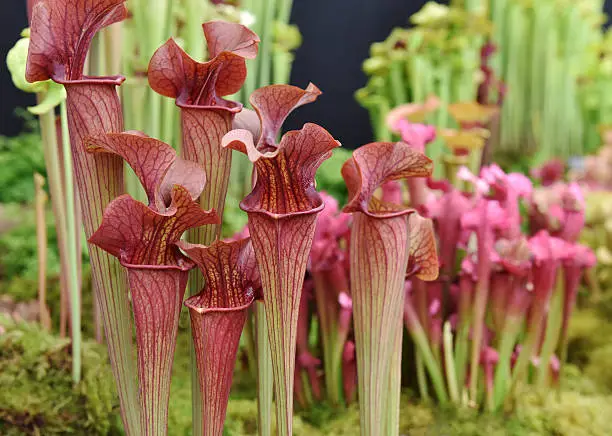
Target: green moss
<point>242,421</point>
<point>604,304</point>
<point>344,423</point>
<point>565,414</point>
<point>598,367</point>
<point>415,419</point>
<point>574,380</point>
<point>580,409</point>
<point>37,395</point>
<point>590,347</point>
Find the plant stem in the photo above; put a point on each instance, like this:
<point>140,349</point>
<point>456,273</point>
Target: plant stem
<point>552,333</point>
<point>170,119</point>
<point>420,340</point>
<point>282,67</point>
<point>377,293</point>
<point>479,311</point>
<point>415,74</point>
<point>282,280</point>
<point>251,83</point>
<point>41,246</point>
<point>202,129</point>
<point>197,424</point>
<point>398,86</point>
<point>383,109</point>
<point>533,334</point>
<point>93,109</point>
<point>71,232</point>
<point>461,353</point>
<point>481,295</point>
<point>265,60</point>
<point>155,121</point>
<point>332,349</point>
<point>395,378</point>
<point>195,38</point>
<point>421,377</point>
<point>264,372</point>
<point>97,316</point>
<point>54,173</point>
<point>502,378</point>
<point>283,59</point>
<point>250,344</point>
<point>449,363</point>
<point>284,11</point>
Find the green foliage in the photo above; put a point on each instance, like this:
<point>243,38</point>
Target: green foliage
<point>20,158</point>
<point>575,381</point>
<point>19,258</point>
<point>439,55</point>
<point>234,219</point>
<point>19,267</point>
<point>26,289</point>
<point>564,414</point>
<point>37,395</point>
<point>18,246</point>
<point>329,178</point>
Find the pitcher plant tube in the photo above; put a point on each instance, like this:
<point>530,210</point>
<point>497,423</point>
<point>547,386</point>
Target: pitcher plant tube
<point>379,250</point>
<point>144,239</point>
<point>423,266</point>
<point>61,33</point>
<point>218,315</point>
<point>205,117</point>
<point>282,210</point>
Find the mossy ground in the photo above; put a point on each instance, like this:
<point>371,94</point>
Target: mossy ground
<point>37,396</point>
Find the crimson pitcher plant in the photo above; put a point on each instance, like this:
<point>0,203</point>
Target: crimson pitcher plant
<point>423,265</point>
<point>283,209</point>
<point>61,33</point>
<point>218,315</point>
<point>144,239</point>
<point>379,252</point>
<point>205,117</point>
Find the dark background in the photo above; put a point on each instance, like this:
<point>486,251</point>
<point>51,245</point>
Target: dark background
<point>337,35</point>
